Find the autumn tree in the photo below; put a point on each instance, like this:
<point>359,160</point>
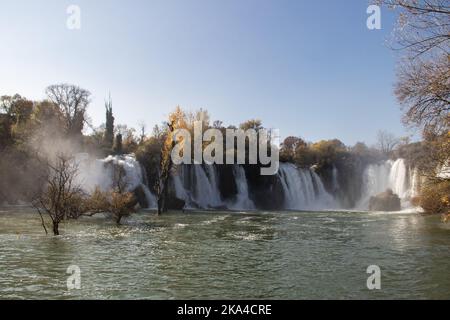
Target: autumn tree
<point>17,107</point>
<point>289,148</point>
<point>423,86</point>
<point>177,120</point>
<point>117,201</point>
<point>255,124</point>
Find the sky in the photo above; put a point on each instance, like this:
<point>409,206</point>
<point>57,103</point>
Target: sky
<point>308,68</point>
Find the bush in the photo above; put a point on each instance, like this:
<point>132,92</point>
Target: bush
<point>435,198</point>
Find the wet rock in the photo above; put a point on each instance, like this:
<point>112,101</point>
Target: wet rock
<point>386,201</point>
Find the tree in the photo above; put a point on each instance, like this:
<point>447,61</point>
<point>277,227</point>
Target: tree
<point>289,147</point>
<point>118,147</point>
<point>422,26</point>
<point>177,120</point>
<point>142,129</point>
<point>423,86</point>
<point>62,197</point>
<point>17,107</point>
<point>255,124</point>
<point>117,201</point>
<point>423,90</point>
<point>109,125</point>
<point>386,142</point>
<point>72,102</point>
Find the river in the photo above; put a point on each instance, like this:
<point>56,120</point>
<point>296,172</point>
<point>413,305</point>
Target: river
<point>224,255</point>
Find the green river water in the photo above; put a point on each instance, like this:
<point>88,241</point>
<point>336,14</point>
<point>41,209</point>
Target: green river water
<point>224,255</point>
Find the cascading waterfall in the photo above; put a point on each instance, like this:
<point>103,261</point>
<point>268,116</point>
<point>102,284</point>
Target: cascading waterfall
<point>303,189</point>
<point>334,179</point>
<point>242,200</point>
<point>198,186</point>
<point>206,193</point>
<point>95,173</point>
<point>392,175</point>
<point>398,178</point>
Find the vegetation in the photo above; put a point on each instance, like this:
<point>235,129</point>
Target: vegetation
<point>423,89</point>
<point>40,136</point>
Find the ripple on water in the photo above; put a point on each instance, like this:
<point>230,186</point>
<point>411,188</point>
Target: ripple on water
<point>256,255</point>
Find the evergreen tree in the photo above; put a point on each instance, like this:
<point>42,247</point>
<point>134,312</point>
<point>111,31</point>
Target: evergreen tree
<point>109,130</point>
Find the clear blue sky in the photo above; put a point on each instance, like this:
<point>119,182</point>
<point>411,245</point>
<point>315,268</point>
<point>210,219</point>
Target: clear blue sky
<point>309,68</point>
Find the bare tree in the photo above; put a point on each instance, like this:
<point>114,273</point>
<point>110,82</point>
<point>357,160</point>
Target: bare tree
<point>142,129</point>
<point>423,87</point>
<point>386,142</point>
<point>73,102</point>
<point>62,197</point>
<point>423,90</point>
<point>423,26</point>
<point>117,201</point>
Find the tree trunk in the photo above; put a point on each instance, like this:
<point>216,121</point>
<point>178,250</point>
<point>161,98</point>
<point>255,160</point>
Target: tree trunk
<point>56,228</point>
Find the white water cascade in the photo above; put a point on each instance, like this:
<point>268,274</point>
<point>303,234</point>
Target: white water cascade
<point>389,175</point>
<point>198,186</point>
<point>100,172</point>
<point>242,201</point>
<point>303,189</point>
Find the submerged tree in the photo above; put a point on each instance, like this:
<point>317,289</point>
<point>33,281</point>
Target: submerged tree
<point>62,197</point>
<point>177,120</point>
<point>116,201</point>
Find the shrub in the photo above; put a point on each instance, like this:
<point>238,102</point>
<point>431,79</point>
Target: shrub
<point>435,198</point>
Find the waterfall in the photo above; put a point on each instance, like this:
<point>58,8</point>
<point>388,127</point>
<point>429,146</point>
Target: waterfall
<point>303,189</point>
<point>95,173</point>
<point>197,185</point>
<point>334,179</point>
<point>206,193</point>
<point>242,201</point>
<point>398,178</point>
<point>393,175</point>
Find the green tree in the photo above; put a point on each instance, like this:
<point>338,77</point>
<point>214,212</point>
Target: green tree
<point>109,125</point>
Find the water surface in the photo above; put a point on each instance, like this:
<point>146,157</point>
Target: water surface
<point>260,255</point>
